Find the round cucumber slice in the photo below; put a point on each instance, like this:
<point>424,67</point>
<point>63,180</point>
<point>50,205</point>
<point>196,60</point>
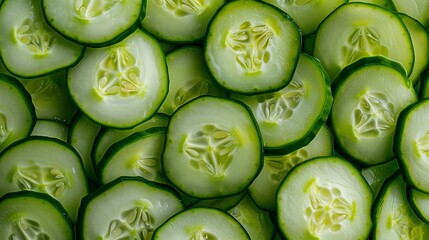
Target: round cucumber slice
<point>33,215</point>
<point>209,140</point>
<point>201,223</point>
<point>123,84</point>
<point>252,47</point>
<point>324,198</point>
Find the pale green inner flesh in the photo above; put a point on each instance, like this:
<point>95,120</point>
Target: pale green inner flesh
<point>421,202</point>
<point>263,189</point>
<point>365,30</point>
<point>28,217</point>
<point>414,145</point>
<point>371,98</point>
<point>395,217</point>
<point>130,209</point>
<point>326,199</point>
<point>179,20</point>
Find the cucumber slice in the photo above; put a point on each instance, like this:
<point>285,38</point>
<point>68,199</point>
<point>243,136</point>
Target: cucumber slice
<point>29,47</point>
<point>257,222</point>
<point>33,215</point>
<point>362,30</point>
<point>222,203</point>
<point>127,208</point>
<point>17,113</point>
<point>291,117</point>
<point>417,9</point>
<point>382,3</point>
<point>123,84</point>
<point>189,78</point>
<point>137,155</point>
<point>50,128</point>
<point>81,135</point>
<point>307,14</point>
<point>377,175</point>
<point>419,202</point>
<point>94,23</point>
<point>263,190</point>
<point>46,165</point>
<point>324,198</point>
<point>420,39</point>
<point>201,223</point>
<point>208,141</point>
<point>368,97</point>
<point>179,21</point>
<point>394,219</point>
<point>410,144</point>
<point>106,137</point>
<point>252,47</point>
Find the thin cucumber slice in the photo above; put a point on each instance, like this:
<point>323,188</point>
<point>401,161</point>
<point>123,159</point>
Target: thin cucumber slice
<point>136,155</point>
<point>189,78</point>
<point>368,97</point>
<point>377,175</point>
<point>388,4</point>
<point>127,208</point>
<point>290,118</point>
<point>51,97</point>
<point>410,144</point>
<point>33,215</point>
<point>307,14</point>
<point>179,21</point>
<point>420,39</point>
<point>17,113</point>
<point>81,136</point>
<point>263,190</point>
<point>393,217</point>
<point>123,84</point>
<point>324,198</point>
<point>362,30</point>
<point>201,223</point>
<point>50,128</point>
<point>209,140</point>
<point>257,222</point>
<point>29,47</point>
<point>223,203</point>
<point>417,9</point>
<point>419,201</point>
<point>252,47</point>
<point>108,136</point>
<point>94,23</point>
<point>46,165</point>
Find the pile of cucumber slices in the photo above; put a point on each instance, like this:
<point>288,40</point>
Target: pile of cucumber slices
<point>214,119</point>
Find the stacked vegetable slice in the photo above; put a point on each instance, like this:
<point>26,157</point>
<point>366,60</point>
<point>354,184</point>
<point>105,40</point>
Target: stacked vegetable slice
<point>194,119</point>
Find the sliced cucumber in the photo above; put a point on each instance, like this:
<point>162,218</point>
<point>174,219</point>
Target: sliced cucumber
<point>33,215</point>
<point>17,113</point>
<point>50,128</point>
<point>209,140</point>
<point>417,9</point>
<point>411,144</point>
<point>136,155</point>
<point>31,48</point>
<point>252,47</point>
<point>362,30</point>
<point>394,219</point>
<point>222,203</point>
<point>368,97</point>
<point>127,208</point>
<point>377,175</point>
<point>179,21</point>
<point>123,84</point>
<point>291,117</point>
<point>46,165</point>
<point>81,135</point>
<point>307,14</point>
<point>189,78</point>
<point>106,137</point>
<point>419,201</point>
<point>257,222</point>
<point>263,190</point>
<point>382,3</point>
<point>94,23</point>
<point>201,223</point>
<point>324,198</point>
